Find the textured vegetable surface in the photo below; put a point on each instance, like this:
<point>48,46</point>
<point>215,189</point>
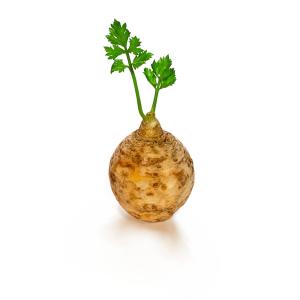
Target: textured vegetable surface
<point>151,173</point>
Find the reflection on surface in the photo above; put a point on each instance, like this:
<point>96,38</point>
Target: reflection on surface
<point>125,227</point>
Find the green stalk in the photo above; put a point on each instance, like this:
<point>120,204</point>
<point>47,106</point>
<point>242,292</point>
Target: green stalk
<point>136,88</point>
<point>155,100</point>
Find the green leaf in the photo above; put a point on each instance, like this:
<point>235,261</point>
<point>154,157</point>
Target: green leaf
<point>163,71</point>
<point>118,65</point>
<point>134,44</point>
<point>169,80</point>
<point>118,34</point>
<point>141,58</point>
<point>162,65</point>
<point>150,76</point>
<point>113,52</point>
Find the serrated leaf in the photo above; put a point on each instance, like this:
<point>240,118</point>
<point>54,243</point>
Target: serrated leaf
<point>163,72</point>
<point>141,58</point>
<point>150,76</point>
<point>166,73</point>
<point>170,80</point>
<point>118,65</point>
<point>134,44</point>
<point>118,34</point>
<point>137,51</point>
<point>113,52</point>
<point>160,66</point>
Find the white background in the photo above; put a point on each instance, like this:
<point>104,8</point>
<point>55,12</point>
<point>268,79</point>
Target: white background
<point>236,108</point>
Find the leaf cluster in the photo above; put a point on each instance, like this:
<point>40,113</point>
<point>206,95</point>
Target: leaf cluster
<point>161,75</point>
<point>122,43</point>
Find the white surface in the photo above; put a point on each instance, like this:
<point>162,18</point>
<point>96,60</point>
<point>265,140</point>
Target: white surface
<point>235,106</point>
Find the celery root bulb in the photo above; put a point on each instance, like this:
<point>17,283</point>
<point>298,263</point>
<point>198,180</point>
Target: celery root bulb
<point>151,173</point>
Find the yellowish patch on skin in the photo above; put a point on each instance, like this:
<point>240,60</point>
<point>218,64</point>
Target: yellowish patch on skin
<point>151,173</point>
<point>136,176</point>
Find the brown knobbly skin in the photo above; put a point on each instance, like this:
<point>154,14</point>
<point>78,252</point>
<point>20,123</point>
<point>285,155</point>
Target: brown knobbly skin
<point>163,187</point>
<point>151,173</point>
